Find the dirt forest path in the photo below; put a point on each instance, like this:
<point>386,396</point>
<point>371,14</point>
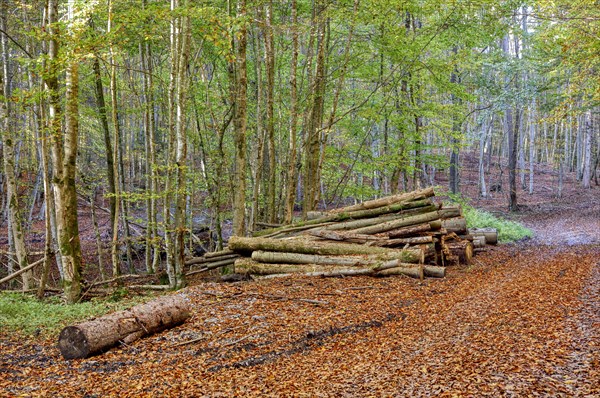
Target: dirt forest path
<point>522,320</point>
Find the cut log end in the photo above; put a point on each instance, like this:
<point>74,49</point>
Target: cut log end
<point>73,343</point>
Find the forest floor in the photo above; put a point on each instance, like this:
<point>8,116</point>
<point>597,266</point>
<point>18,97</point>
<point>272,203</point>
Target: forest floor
<point>522,320</point>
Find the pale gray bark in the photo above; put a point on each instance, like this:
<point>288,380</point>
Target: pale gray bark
<point>587,150</point>
<point>8,141</point>
<point>532,159</point>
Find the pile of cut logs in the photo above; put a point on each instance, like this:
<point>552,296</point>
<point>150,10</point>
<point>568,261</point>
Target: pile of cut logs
<point>404,234</point>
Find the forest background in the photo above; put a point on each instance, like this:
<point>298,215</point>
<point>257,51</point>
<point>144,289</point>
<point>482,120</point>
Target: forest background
<point>234,115</point>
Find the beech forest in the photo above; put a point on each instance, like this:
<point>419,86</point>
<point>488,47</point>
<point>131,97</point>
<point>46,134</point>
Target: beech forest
<point>368,146</point>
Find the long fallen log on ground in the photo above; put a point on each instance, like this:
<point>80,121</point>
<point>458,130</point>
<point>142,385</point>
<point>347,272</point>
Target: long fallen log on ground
<point>414,271</point>
<point>249,266</point>
<point>98,335</point>
<point>393,267</point>
<point>248,245</point>
<point>298,258</point>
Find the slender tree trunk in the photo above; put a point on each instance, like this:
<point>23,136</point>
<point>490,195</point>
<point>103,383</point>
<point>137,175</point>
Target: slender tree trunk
<point>532,157</point>
<point>587,162</point>
<point>258,159</point>
<point>110,172</point>
<point>64,154</point>
<point>521,148</point>
<point>512,160</point>
<point>181,152</point>
<point>116,269</point>
<point>240,121</point>
<point>317,93</point>
<point>292,172</point>
<point>49,205</point>
<point>511,129</point>
<point>8,140</point>
<point>152,250</point>
<point>486,126</point>
<point>579,147</point>
<point>271,215</point>
<point>97,234</point>
<point>168,221</point>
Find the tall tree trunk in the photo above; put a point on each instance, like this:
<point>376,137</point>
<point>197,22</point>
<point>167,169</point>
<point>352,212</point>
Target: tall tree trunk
<point>8,140</point>
<point>64,152</point>
<point>258,165</point>
<point>102,115</point>
<point>292,173</point>
<point>587,155</point>
<point>453,179</point>
<point>532,157</point>
<point>240,83</point>
<point>511,129</point>
<point>116,270</point>
<point>513,138</point>
<point>169,185</point>
<point>317,93</point>
<point>152,250</point>
<point>181,152</point>
<point>271,215</point>
<point>49,249</point>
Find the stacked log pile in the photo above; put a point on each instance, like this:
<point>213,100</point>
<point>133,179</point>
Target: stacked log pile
<point>401,234</point>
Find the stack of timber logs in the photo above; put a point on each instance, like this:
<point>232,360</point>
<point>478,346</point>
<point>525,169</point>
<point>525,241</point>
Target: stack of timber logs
<point>404,234</point>
<point>211,261</point>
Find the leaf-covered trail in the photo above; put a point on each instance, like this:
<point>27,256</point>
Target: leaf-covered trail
<point>523,320</point>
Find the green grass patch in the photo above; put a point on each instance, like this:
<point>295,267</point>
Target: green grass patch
<point>508,231</point>
<point>25,315</point>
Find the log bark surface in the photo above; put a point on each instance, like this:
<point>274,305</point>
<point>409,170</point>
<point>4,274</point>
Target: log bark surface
<point>414,271</point>
<point>245,245</point>
<point>298,258</point>
<point>407,231</point>
<point>98,335</point>
<point>388,200</point>
<point>249,266</point>
<point>399,223</point>
<point>455,224</point>
<point>491,234</point>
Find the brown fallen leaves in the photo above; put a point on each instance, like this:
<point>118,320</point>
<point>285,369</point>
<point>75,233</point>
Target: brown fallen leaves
<point>523,321</point>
